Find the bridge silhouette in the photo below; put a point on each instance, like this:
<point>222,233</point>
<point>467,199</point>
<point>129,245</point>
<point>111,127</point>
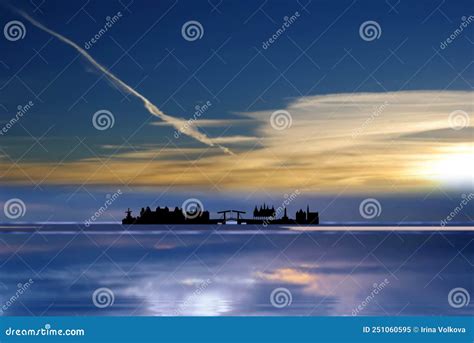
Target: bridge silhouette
<point>263,216</point>
<point>238,219</point>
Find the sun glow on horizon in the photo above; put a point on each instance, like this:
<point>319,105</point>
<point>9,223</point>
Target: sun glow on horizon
<point>451,166</point>
<point>336,143</point>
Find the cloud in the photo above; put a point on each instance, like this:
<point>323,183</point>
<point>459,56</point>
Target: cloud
<point>150,152</point>
<point>211,122</point>
<point>448,135</point>
<point>359,143</point>
<point>311,283</point>
<point>288,275</point>
<point>177,123</point>
<point>235,139</point>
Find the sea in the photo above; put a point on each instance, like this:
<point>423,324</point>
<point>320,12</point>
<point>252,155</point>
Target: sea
<point>235,270</point>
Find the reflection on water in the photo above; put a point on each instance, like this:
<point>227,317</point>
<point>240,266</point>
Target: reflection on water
<point>191,272</point>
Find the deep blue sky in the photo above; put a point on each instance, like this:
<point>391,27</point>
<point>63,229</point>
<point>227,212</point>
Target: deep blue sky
<point>228,67</point>
<point>414,22</point>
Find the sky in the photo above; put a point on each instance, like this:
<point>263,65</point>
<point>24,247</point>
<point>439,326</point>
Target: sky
<point>255,101</point>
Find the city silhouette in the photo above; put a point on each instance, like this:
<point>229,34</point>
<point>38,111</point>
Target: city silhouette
<point>263,215</point>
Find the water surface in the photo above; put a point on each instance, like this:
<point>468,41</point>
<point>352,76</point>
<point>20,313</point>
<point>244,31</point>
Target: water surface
<point>160,270</point>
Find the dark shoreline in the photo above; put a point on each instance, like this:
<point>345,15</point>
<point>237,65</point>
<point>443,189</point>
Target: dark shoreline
<point>277,228</point>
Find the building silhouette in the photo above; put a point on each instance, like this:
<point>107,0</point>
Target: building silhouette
<point>264,212</point>
<point>307,217</point>
<point>166,216</point>
<point>265,215</point>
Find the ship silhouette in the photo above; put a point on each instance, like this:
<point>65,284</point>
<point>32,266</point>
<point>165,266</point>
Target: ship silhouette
<point>263,215</point>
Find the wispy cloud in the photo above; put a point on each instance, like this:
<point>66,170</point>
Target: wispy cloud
<point>177,123</point>
<point>235,139</point>
<point>335,142</point>
<point>288,275</point>
<point>212,122</point>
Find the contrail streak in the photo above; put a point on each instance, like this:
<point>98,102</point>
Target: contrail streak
<point>176,122</point>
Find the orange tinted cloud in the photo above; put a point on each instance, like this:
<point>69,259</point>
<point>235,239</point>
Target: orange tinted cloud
<point>377,142</point>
